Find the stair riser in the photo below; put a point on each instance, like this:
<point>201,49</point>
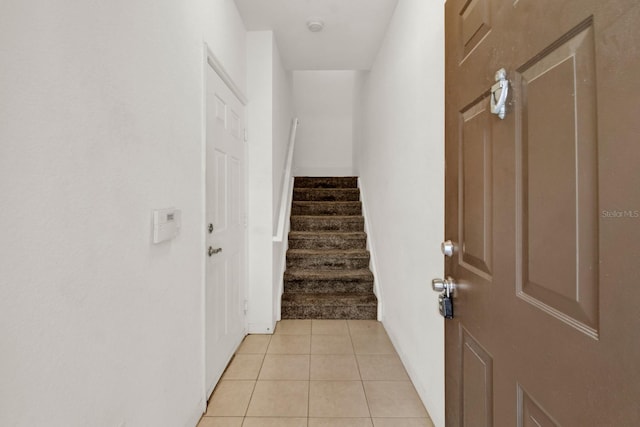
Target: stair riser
<point>326,208</point>
<point>326,182</point>
<point>328,262</point>
<point>327,286</point>
<point>330,312</point>
<point>327,224</point>
<point>326,195</point>
<point>329,242</point>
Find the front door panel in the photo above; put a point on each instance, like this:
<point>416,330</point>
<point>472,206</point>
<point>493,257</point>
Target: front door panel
<point>558,180</point>
<point>475,190</point>
<point>544,207</point>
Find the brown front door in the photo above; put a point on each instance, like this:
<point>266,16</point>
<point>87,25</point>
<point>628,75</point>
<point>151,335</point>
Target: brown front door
<point>544,207</point>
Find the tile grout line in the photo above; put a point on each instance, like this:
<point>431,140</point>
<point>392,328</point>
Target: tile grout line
<point>255,384</point>
<point>355,355</point>
<point>350,333</point>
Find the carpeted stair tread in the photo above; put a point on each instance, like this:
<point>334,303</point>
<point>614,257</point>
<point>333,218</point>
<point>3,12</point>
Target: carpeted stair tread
<point>362,312</point>
<point>329,306</point>
<point>326,194</point>
<point>327,240</point>
<point>316,234</point>
<point>326,182</point>
<point>330,299</point>
<point>327,223</point>
<point>353,218</point>
<point>331,259</point>
<point>328,286</point>
<point>326,208</point>
<point>315,252</point>
<point>326,274</point>
<point>320,234</point>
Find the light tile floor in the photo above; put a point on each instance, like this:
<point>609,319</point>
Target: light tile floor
<point>316,373</point>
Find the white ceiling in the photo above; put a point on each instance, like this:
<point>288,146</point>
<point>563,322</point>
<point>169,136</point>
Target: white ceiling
<point>350,40</point>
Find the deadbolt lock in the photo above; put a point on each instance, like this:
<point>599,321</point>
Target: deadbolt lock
<point>445,299</point>
<point>448,248</point>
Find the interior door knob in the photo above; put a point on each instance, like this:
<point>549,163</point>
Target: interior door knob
<point>213,251</point>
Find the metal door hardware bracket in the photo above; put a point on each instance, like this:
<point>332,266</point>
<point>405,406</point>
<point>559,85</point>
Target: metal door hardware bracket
<point>500,90</point>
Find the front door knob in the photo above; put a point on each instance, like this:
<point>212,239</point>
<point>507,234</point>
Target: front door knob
<point>447,285</point>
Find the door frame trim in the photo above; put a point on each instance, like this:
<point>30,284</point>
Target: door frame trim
<point>217,66</point>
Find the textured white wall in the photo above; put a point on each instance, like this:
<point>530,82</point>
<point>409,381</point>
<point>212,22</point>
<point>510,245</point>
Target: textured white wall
<point>225,34</point>
<point>101,120</point>
<point>282,116</point>
<point>400,158</point>
<point>323,101</point>
<point>270,114</point>
<point>260,90</point>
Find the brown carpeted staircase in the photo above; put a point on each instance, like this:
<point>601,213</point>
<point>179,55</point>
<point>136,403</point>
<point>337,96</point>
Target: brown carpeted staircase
<point>327,275</point>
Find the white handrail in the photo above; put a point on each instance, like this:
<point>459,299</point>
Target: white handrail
<point>287,185</point>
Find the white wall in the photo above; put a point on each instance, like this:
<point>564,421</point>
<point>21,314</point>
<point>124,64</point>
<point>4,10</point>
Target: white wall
<point>359,112</point>
<point>270,114</point>
<point>282,116</point>
<point>324,103</point>
<point>400,159</point>
<point>101,122</point>
<point>225,34</point>
<point>260,119</point>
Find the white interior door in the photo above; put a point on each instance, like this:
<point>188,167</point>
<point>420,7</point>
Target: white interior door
<point>225,242</point>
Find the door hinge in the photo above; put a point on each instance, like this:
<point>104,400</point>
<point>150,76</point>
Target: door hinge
<point>246,306</point>
<point>246,135</point>
<point>245,221</point>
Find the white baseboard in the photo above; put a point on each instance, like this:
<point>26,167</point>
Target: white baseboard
<point>262,328</point>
